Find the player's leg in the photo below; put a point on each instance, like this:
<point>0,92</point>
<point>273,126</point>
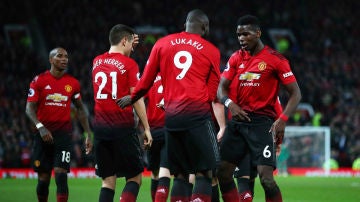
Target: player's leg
<point>158,164</point>
<point>215,196</point>
<point>42,162</point>
<point>263,147</point>
<point>153,165</point>
<point>202,140</point>
<point>42,188</point>
<point>162,191</point>
<point>163,188</point>
<point>105,169</point>
<point>230,153</point>
<point>63,144</point>
<point>154,183</point>
<point>242,175</point>
<point>131,166</point>
<point>175,150</point>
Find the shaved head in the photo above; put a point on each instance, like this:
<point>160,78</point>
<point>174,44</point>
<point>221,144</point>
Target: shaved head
<point>54,51</point>
<point>197,22</point>
<point>197,16</point>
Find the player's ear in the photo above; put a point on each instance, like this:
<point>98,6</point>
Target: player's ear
<point>258,33</point>
<point>123,41</point>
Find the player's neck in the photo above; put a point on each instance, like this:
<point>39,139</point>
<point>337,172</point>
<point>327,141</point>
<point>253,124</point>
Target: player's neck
<point>57,72</point>
<point>259,46</point>
<point>116,49</point>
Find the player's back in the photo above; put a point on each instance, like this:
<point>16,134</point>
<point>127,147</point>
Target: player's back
<point>113,75</point>
<point>189,66</point>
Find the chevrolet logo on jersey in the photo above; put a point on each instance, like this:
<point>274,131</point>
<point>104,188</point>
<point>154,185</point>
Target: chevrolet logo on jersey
<point>248,76</point>
<point>57,97</point>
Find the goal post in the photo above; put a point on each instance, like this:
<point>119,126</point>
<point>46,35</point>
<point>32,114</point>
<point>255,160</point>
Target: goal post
<point>308,147</point>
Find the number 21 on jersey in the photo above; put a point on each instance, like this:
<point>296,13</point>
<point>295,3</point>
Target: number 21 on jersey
<point>104,79</point>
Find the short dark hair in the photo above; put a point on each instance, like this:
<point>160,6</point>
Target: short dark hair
<point>118,32</point>
<point>251,20</point>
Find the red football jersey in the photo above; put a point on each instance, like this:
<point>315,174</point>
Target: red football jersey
<point>256,79</point>
<point>53,97</point>
<point>155,96</point>
<point>112,75</point>
<point>190,70</point>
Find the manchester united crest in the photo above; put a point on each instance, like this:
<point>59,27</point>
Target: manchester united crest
<point>68,88</point>
<point>262,66</point>
<point>37,163</point>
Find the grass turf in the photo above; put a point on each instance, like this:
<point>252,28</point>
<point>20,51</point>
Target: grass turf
<point>294,189</point>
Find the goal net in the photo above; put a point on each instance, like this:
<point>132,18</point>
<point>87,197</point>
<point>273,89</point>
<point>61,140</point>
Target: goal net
<point>307,147</point>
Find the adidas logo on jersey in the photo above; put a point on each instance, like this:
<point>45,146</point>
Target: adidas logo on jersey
<point>47,87</point>
<point>197,200</point>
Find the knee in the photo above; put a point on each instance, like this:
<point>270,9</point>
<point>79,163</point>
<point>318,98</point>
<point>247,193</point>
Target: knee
<point>225,173</point>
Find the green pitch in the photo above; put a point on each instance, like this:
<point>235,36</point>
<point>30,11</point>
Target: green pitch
<point>294,189</point>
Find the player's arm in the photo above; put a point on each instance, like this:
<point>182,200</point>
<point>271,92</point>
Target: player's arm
<point>140,110</point>
<point>219,112</point>
<point>82,115</point>
<point>278,128</point>
<point>223,96</point>
<point>31,108</point>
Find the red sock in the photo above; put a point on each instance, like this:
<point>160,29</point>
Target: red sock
<point>61,197</point>
<point>229,192</point>
<point>231,196</point>
<point>130,192</point>
<point>127,197</point>
<point>246,196</point>
<point>162,194</point>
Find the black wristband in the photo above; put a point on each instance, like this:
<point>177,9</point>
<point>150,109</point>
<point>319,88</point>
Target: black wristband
<point>223,99</point>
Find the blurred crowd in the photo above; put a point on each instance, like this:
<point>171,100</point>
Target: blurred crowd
<point>324,58</point>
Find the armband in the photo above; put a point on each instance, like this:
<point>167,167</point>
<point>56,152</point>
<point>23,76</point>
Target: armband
<point>39,125</point>
<point>284,117</point>
<point>223,100</point>
<point>227,102</point>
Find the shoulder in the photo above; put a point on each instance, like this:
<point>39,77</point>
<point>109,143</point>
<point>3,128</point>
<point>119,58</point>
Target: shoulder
<point>40,77</point>
<point>130,62</point>
<point>274,54</point>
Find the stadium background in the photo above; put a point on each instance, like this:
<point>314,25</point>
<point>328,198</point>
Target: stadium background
<point>324,58</point>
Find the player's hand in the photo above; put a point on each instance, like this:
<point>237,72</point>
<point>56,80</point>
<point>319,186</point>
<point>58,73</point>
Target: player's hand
<point>278,130</point>
<point>220,134</point>
<point>237,113</point>
<point>135,42</point>
<point>124,101</point>
<point>46,135</point>
<point>147,139</point>
<point>88,143</point>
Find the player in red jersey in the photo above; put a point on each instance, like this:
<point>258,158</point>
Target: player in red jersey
<point>245,173</point>
<point>157,156</point>
<point>189,67</point>
<point>117,147</point>
<point>259,71</point>
<point>48,107</point>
